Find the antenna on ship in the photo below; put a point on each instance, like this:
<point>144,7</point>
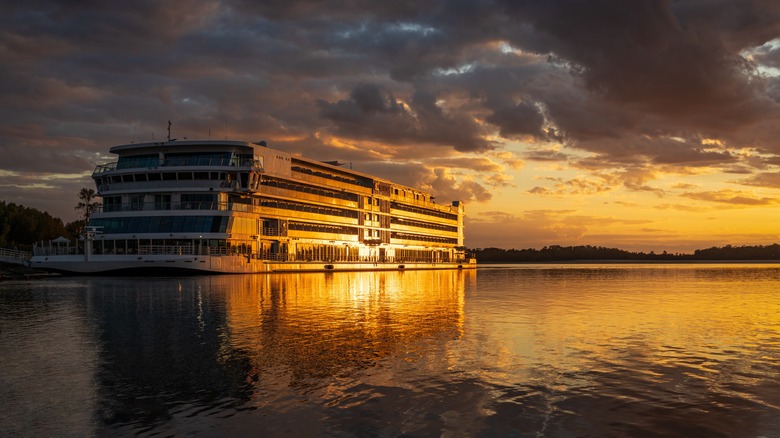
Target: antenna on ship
<point>169,132</point>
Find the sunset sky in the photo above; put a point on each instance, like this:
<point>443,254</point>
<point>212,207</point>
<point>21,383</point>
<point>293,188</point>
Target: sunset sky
<point>643,124</point>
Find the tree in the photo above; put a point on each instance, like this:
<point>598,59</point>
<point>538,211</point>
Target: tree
<point>21,226</point>
<point>86,206</point>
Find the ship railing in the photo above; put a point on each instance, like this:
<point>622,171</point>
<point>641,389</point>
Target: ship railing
<point>179,162</point>
<point>167,184</point>
<point>184,205</point>
<point>103,168</point>
<point>334,198</point>
<point>50,250</point>
<point>155,206</point>
<point>167,250</point>
<point>7,254</point>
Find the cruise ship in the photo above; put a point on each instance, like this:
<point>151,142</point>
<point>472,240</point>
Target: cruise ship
<point>238,207</point>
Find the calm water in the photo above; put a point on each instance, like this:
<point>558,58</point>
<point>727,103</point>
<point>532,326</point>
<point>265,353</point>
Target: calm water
<point>527,351</point>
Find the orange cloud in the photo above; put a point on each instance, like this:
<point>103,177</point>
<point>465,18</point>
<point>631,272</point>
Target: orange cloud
<point>732,197</point>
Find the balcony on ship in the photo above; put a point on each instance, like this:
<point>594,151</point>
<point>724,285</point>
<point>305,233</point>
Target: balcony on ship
<point>161,206</point>
<point>193,161</point>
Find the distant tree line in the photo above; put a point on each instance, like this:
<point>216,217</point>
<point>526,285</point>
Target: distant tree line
<point>556,253</point>
<point>21,226</point>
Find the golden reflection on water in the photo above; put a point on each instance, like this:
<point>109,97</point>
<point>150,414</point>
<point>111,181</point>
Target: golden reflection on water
<point>548,350</point>
<point>668,327</point>
<point>303,326</point>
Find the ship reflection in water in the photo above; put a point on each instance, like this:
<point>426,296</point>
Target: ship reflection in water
<point>511,351</point>
<point>164,355</point>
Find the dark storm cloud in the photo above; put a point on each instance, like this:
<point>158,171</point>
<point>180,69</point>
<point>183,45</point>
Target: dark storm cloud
<point>372,114</point>
<point>521,119</point>
<point>668,57</point>
<point>634,83</point>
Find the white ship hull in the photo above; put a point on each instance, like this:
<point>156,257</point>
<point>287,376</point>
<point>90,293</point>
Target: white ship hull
<point>106,264</point>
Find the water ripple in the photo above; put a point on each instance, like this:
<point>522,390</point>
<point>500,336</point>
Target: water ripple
<point>525,351</point>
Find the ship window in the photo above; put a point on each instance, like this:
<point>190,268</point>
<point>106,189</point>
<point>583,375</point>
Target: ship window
<point>143,224</point>
<point>162,224</point>
<point>127,178</point>
<point>136,161</point>
<point>178,224</point>
<point>216,225</point>
<point>190,222</point>
<point>169,176</point>
<point>185,175</point>
<point>207,223</point>
<point>154,224</point>
<point>116,179</point>
<point>140,176</point>
<point>162,202</point>
<point>198,159</point>
<point>198,201</point>
<point>154,177</point>
<point>200,175</point>
<point>137,202</point>
<point>165,224</point>
<point>112,203</point>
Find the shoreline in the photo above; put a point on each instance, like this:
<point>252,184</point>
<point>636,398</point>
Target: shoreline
<point>620,261</point>
<point>12,271</point>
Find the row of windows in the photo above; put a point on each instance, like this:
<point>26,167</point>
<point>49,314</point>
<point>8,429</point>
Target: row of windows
<point>164,176</point>
<point>136,161</point>
<point>424,238</point>
<point>183,159</point>
<point>188,201</point>
<point>297,206</point>
<point>425,211</point>
<point>422,255</point>
<point>427,225</point>
<point>161,224</point>
<point>320,228</point>
<point>303,188</point>
<point>358,182</point>
<point>329,253</point>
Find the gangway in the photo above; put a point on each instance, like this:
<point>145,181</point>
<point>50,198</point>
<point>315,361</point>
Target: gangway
<point>15,256</point>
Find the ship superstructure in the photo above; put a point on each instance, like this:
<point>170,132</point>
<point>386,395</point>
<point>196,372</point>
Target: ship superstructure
<point>230,206</point>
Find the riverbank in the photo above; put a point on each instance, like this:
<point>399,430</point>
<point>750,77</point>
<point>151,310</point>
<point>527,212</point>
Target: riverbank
<point>11,271</point>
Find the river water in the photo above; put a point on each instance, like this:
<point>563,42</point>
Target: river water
<point>516,350</point>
